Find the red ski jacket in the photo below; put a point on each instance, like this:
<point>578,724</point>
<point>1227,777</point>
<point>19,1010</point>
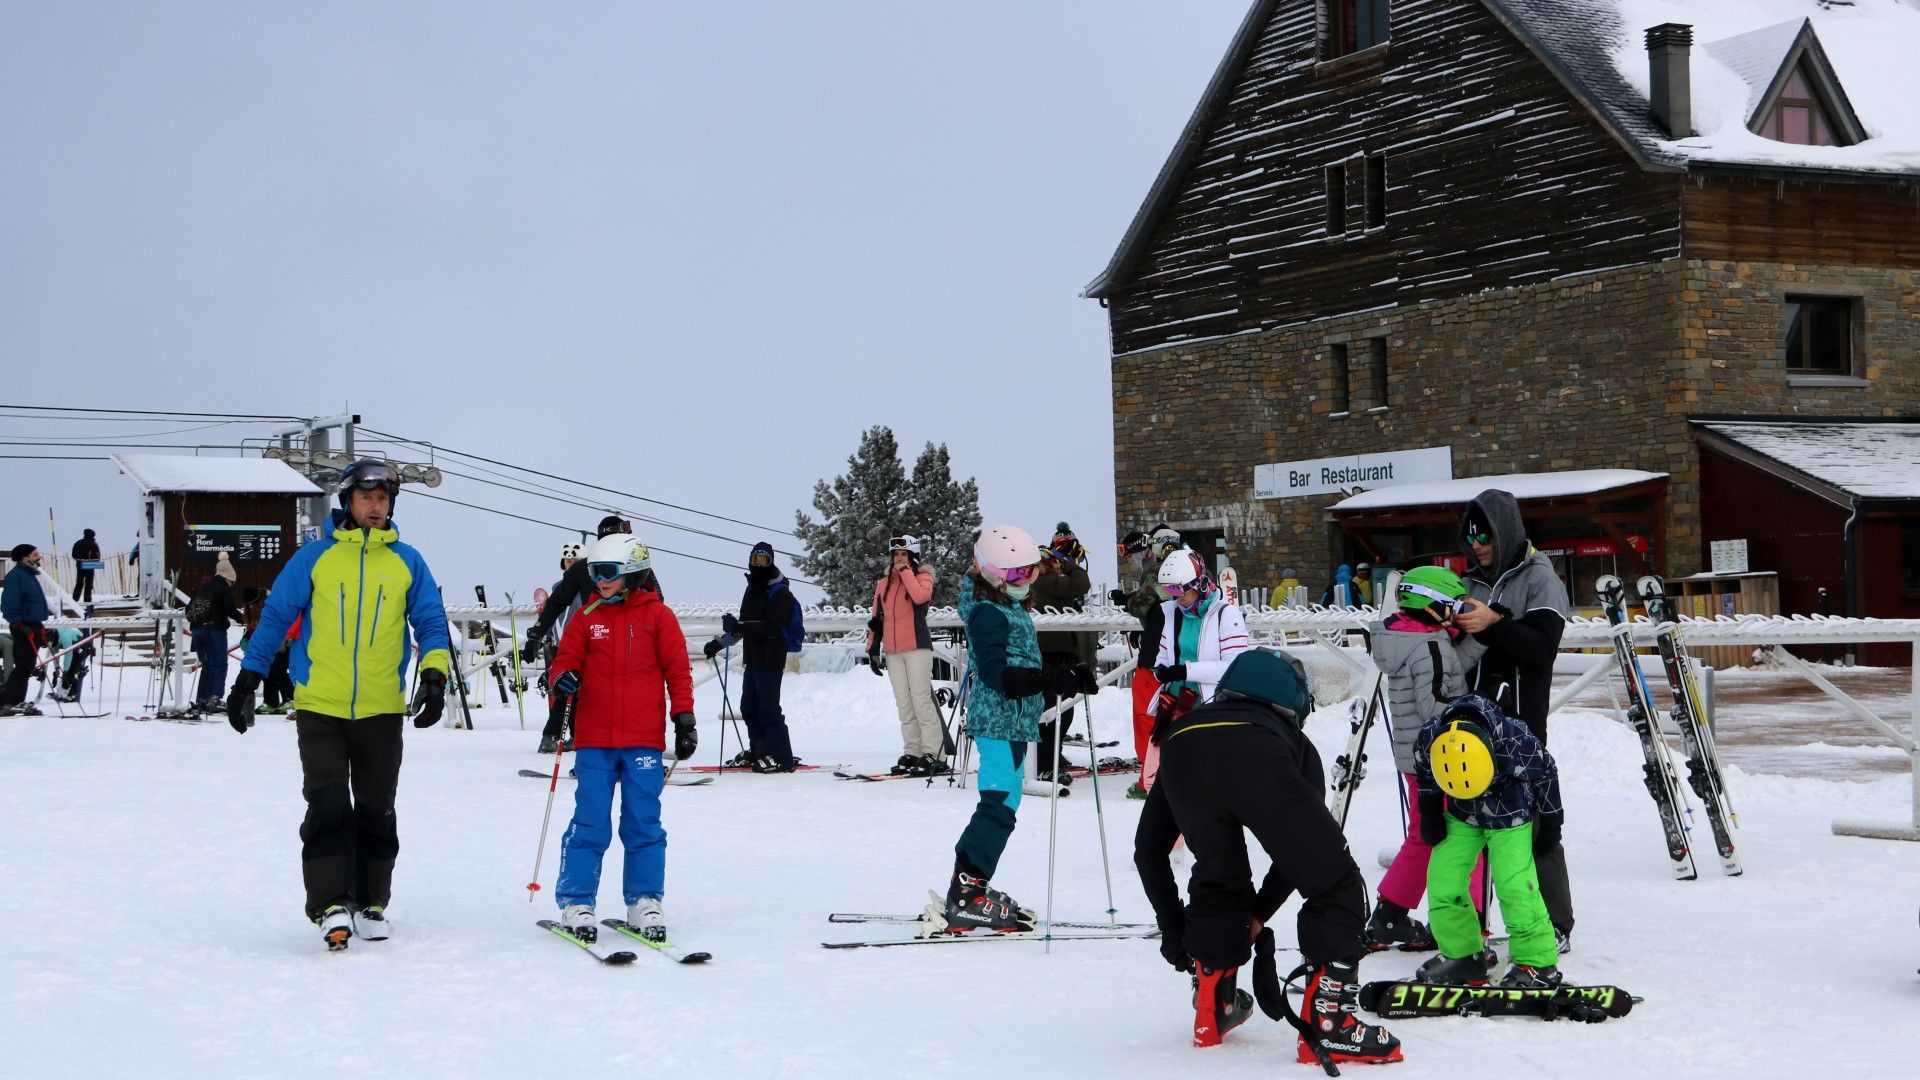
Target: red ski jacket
<point>631,658</point>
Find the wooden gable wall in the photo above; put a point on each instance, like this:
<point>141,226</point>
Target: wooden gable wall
<point>1496,176</point>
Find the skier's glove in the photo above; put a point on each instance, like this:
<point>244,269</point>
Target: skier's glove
<point>535,642</point>
<point>1118,597</point>
<point>876,662</point>
<point>730,625</point>
<point>1546,831</point>
<point>240,701</point>
<point>1266,977</point>
<point>430,700</point>
<point>712,648</point>
<point>1170,673</point>
<point>1433,820</point>
<point>1087,682</point>
<point>1173,948</point>
<point>567,683</point>
<point>685,739</point>
<point>1060,681</point>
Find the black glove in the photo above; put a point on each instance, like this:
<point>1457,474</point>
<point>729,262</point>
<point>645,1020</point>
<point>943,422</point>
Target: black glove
<point>567,683</point>
<point>430,700</point>
<point>1060,681</point>
<point>536,640</point>
<point>1433,820</point>
<point>712,648</point>
<point>1085,679</point>
<point>1173,948</point>
<point>730,625</point>
<point>1119,597</point>
<point>240,700</point>
<point>1266,977</point>
<point>1019,682</point>
<point>685,739</point>
<point>1546,831</point>
<point>1170,673</point>
<point>877,662</point>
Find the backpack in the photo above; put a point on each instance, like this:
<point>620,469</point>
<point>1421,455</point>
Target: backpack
<point>793,630</point>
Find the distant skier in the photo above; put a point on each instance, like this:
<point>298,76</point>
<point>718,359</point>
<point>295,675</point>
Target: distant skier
<point>356,591</point>
<point>898,632</point>
<point>210,614</point>
<point>1142,554</point>
<point>623,660</point>
<point>23,601</point>
<point>551,734</point>
<point>769,624</point>
<point>73,665</point>
<point>1487,784</point>
<point>85,550</point>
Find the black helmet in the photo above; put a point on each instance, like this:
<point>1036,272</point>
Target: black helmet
<point>366,475</point>
<point>613,523</point>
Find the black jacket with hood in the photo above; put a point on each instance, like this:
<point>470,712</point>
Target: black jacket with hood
<point>1517,668</point>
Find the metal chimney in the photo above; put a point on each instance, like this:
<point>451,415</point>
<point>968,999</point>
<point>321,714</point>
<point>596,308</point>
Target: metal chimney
<point>1669,49</point>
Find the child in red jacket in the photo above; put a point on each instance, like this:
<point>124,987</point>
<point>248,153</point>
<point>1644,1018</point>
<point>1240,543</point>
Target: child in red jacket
<point>623,659</point>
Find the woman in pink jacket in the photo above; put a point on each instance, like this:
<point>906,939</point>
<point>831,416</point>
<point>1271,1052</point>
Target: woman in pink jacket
<point>899,629</point>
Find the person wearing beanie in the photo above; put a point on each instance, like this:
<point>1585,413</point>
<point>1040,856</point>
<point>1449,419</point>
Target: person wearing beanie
<point>210,613</point>
<point>769,624</point>
<point>23,601</point>
<point>86,550</point>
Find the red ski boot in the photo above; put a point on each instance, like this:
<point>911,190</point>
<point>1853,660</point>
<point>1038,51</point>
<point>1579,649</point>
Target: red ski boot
<point>1333,997</point>
<point>1218,1006</point>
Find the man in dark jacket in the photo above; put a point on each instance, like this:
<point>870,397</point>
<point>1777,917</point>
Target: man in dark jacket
<point>1517,607</point>
<point>1061,587</point>
<point>23,601</point>
<point>769,624</point>
<point>209,615</point>
<point>85,550</point>
<point>1240,764</point>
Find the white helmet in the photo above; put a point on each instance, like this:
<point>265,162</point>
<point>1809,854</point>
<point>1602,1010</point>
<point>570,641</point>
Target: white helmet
<point>570,551</point>
<point>624,550</point>
<point>906,542</point>
<point>1003,548</point>
<point>1183,570</point>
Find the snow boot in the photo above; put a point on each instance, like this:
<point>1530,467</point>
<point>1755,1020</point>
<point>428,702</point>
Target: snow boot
<point>1391,927</point>
<point>1333,998</point>
<point>577,919</point>
<point>1522,977</point>
<point>336,927</point>
<point>370,922</point>
<point>1465,971</point>
<point>1218,1005</point>
<point>645,916</point>
<point>972,904</point>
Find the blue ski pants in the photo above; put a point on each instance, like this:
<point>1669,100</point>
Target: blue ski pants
<point>211,647</point>
<point>638,773</point>
<point>987,832</point>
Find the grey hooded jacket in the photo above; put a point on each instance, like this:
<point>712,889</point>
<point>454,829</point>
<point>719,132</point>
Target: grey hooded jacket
<point>1424,671</point>
<point>1517,669</point>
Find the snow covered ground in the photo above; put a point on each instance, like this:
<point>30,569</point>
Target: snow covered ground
<point>151,916</point>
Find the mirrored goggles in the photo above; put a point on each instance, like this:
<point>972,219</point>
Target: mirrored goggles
<point>759,559</point>
<point>605,571</point>
<point>1020,575</point>
<point>1479,534</point>
<point>374,477</point>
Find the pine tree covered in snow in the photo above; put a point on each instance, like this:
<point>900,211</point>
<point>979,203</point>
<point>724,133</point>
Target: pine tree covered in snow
<point>873,501</point>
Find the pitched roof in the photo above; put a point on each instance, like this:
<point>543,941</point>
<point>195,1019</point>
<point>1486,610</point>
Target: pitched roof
<point>1766,57</point>
<point>214,475</point>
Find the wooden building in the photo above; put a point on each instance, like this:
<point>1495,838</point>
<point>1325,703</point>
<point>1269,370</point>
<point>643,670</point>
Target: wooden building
<point>194,508</point>
<point>1521,231</point>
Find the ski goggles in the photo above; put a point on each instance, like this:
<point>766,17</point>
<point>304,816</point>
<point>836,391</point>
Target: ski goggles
<point>606,571</point>
<point>904,543</point>
<point>1019,575</point>
<point>1432,595</point>
<point>1479,534</point>
<point>1177,591</point>
<point>372,478</point>
<point>760,558</point>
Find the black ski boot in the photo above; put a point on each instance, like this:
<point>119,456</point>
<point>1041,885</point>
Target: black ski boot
<point>906,766</point>
<point>1333,997</point>
<point>548,746</point>
<point>1522,977</point>
<point>1218,1005</point>
<point>1391,927</point>
<point>931,765</point>
<point>972,904</point>
<point>1465,971</point>
<point>745,759</point>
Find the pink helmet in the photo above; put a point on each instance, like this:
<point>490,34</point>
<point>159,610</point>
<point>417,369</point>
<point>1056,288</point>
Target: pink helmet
<point>1006,555</point>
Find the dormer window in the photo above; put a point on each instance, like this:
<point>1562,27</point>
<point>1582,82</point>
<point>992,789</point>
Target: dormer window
<point>1798,115</point>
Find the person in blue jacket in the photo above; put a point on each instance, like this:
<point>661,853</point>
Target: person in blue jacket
<point>356,591</point>
<point>24,604</point>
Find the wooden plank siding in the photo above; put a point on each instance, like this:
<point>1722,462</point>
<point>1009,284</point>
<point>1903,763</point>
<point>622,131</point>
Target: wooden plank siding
<point>1767,220</point>
<point>1496,176</point>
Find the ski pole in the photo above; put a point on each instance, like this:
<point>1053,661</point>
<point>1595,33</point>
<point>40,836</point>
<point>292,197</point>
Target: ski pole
<point>721,676</point>
<point>1053,832</point>
<point>726,669</point>
<point>1093,763</point>
<point>552,787</point>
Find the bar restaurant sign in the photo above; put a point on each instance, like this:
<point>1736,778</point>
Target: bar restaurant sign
<point>1346,475</point>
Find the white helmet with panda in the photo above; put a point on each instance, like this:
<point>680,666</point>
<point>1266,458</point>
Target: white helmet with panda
<point>570,552</point>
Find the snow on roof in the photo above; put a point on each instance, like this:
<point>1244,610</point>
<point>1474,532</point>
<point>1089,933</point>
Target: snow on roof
<point>1522,485</point>
<point>1838,453</point>
<point>1871,43</point>
<point>215,475</point>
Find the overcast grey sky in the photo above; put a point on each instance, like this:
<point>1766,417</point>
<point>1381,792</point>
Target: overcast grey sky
<point>688,250</point>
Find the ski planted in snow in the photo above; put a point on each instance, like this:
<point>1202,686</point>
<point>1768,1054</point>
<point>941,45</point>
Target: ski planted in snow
<point>605,956</point>
<point>1696,729</point>
<point>1403,1000</point>
<point>665,948</point>
<point>1668,797</point>
<point>1351,767</point>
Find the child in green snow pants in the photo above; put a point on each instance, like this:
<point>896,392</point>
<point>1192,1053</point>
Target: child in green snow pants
<point>1455,924</point>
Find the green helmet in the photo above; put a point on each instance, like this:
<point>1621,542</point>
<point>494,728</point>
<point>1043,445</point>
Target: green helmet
<point>1424,586</point>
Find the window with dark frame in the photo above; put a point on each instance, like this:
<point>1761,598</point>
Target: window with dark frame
<point>1354,25</point>
<point>1338,354</point>
<point>1910,556</point>
<point>1337,199</point>
<point>1377,371</point>
<point>1820,335</point>
<point>1376,193</point>
<point>1799,116</point>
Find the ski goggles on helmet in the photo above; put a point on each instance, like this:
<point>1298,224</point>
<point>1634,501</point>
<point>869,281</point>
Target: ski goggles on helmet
<point>1018,575</point>
<point>606,571</point>
<point>904,543</point>
<point>1434,595</point>
<point>371,477</point>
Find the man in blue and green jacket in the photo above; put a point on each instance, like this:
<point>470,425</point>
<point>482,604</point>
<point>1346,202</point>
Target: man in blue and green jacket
<point>357,591</point>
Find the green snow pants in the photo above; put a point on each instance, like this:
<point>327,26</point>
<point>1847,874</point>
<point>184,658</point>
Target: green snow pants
<point>1456,927</point>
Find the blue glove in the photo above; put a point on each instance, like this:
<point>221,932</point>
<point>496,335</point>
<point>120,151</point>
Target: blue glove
<point>567,683</point>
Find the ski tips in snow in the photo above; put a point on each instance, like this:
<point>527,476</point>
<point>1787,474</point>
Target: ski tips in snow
<point>594,950</point>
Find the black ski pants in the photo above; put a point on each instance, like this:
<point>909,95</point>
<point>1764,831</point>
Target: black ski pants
<point>1045,750</point>
<point>278,689</point>
<point>1222,783</point>
<point>760,708</point>
<point>83,584</point>
<point>26,653</point>
<point>349,771</point>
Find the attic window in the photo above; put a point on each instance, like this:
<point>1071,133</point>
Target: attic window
<point>1352,26</point>
<point>1799,115</point>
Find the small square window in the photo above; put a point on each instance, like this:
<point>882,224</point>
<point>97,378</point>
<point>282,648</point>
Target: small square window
<point>1376,190</point>
<point>1336,199</point>
<point>1910,556</point>
<point>1338,355</point>
<point>1819,335</point>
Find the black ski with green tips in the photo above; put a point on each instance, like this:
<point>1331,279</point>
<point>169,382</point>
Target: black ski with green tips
<point>605,956</point>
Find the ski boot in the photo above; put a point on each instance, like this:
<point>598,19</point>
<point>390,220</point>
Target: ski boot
<point>1333,997</point>
<point>1465,971</point>
<point>906,766</point>
<point>1391,927</point>
<point>577,919</point>
<point>370,922</point>
<point>771,764</point>
<point>548,746</point>
<point>1218,1005</point>
<point>61,696</point>
<point>645,916</point>
<point>1522,977</point>
<point>745,759</point>
<point>336,927</point>
<point>972,904</point>
<point>931,765</point>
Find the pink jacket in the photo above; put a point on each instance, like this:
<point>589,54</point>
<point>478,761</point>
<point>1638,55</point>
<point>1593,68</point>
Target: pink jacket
<point>900,599</point>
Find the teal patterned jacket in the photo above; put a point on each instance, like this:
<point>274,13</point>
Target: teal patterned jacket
<point>999,636</point>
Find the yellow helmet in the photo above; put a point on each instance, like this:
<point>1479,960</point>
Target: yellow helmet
<point>1462,758</point>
